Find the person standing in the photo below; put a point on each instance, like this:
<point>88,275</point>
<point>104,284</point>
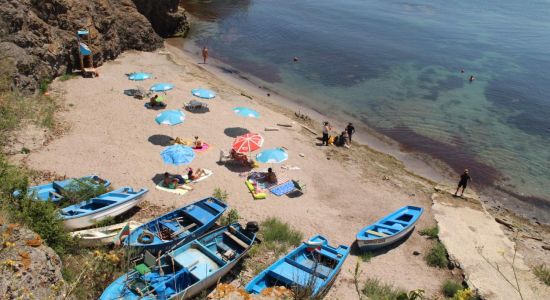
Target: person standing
<point>351,130</point>
<point>204,54</point>
<point>464,178</point>
<point>326,130</point>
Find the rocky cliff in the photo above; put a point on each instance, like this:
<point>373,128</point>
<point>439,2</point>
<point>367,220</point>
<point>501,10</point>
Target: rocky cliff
<point>39,36</point>
<point>28,268</point>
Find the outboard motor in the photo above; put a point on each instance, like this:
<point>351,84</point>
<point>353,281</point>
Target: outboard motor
<point>252,227</point>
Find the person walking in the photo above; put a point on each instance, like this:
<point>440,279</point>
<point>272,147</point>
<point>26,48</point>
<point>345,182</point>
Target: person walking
<point>204,54</point>
<point>464,178</point>
<point>326,130</point>
<point>351,130</point>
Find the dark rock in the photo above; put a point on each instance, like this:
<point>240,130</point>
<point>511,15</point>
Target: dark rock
<point>546,247</point>
<point>416,253</point>
<point>39,37</point>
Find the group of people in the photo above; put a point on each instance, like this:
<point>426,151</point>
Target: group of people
<point>342,140</point>
<point>174,181</point>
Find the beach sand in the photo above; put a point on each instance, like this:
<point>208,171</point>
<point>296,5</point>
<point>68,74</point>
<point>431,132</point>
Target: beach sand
<point>116,137</point>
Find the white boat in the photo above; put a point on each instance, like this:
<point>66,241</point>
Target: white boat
<point>89,212</point>
<point>102,235</point>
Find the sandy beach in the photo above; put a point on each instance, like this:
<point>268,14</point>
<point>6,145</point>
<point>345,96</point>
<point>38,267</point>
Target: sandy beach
<point>113,135</point>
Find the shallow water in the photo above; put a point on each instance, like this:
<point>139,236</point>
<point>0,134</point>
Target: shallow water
<point>396,65</point>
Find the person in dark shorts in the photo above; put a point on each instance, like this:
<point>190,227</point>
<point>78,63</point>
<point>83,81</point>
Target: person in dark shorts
<point>464,178</point>
<point>351,130</point>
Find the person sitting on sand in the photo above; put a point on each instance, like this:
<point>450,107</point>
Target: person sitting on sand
<point>171,182</point>
<point>269,176</point>
<point>197,144</point>
<point>155,101</point>
<point>191,175</point>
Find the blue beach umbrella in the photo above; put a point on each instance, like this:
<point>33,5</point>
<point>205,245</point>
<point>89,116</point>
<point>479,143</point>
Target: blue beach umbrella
<point>272,156</point>
<point>177,155</point>
<point>139,76</point>
<point>246,112</point>
<point>170,117</point>
<point>203,93</point>
<point>161,87</point>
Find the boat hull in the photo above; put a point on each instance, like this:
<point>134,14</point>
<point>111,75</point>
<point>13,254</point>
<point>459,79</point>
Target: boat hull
<point>98,237</point>
<point>365,245</point>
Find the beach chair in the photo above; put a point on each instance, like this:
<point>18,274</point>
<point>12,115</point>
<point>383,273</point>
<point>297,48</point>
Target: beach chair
<point>288,187</point>
<point>194,105</point>
<point>224,156</point>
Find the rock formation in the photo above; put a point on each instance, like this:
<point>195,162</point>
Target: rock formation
<point>28,268</point>
<point>39,37</point>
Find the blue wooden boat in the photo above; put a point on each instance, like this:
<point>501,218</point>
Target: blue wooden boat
<point>180,225</point>
<point>389,229</point>
<point>53,191</point>
<point>111,204</point>
<point>311,268</point>
<point>186,270</point>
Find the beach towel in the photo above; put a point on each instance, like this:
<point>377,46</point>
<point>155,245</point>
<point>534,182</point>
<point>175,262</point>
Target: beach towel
<point>180,191</point>
<point>283,189</point>
<point>205,147</point>
<point>207,172</point>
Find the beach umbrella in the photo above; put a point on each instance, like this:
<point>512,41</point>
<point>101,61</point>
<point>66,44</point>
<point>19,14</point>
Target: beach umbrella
<point>139,76</point>
<point>161,87</point>
<point>246,112</point>
<point>248,142</point>
<point>170,117</point>
<point>272,156</point>
<point>203,93</point>
<point>177,155</point>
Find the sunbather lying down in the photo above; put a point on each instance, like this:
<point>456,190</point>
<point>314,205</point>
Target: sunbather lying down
<point>194,175</point>
<point>172,181</point>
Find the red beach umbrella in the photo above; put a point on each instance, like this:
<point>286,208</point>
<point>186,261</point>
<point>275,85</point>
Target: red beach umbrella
<point>248,143</point>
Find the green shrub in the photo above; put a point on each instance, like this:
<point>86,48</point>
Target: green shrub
<point>66,76</point>
<point>273,230</point>
<point>450,287</point>
<point>220,194</point>
<point>42,217</point>
<point>80,190</point>
<point>376,290</point>
<point>542,273</point>
<point>366,256</point>
<point>44,84</point>
<point>230,217</point>
<point>430,232</point>
<point>437,256</point>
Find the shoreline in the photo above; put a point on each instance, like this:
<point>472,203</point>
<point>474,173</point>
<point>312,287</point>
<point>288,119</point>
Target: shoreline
<point>364,184</point>
<point>419,163</point>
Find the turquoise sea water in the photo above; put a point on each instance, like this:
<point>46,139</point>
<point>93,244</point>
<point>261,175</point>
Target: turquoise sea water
<point>396,65</point>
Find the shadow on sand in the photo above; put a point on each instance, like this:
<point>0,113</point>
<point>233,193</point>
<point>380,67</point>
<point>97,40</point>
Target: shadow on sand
<point>160,140</point>
<point>235,131</point>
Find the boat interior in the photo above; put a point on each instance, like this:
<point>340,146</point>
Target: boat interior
<point>200,259</point>
<point>388,227</point>
<point>99,202</point>
<point>306,269</point>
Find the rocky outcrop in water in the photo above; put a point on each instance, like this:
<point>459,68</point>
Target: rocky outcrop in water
<point>28,268</point>
<point>39,37</point>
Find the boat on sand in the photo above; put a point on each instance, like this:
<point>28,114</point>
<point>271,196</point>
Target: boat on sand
<point>53,191</point>
<point>311,268</point>
<point>102,235</point>
<point>390,229</point>
<point>187,269</point>
<point>178,226</point>
<point>111,204</point>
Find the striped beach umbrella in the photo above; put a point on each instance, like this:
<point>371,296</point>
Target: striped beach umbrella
<point>248,142</point>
